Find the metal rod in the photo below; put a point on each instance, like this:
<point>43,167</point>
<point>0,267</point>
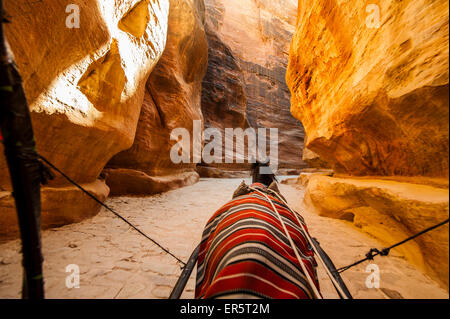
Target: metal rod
<point>332,268</point>
<point>185,275</point>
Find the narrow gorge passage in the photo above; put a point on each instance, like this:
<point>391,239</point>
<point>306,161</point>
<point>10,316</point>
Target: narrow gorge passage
<point>159,108</point>
<point>117,262</point>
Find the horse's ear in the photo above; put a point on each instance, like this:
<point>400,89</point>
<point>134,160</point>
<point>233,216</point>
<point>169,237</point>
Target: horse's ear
<point>274,187</point>
<point>243,189</point>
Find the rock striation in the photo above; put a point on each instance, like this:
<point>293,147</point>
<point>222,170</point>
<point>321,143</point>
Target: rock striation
<point>245,82</point>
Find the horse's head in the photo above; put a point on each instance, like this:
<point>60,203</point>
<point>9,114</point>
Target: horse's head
<point>258,177</point>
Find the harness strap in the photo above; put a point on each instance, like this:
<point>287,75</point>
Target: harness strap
<point>316,250</point>
<point>294,247</point>
<point>92,196</point>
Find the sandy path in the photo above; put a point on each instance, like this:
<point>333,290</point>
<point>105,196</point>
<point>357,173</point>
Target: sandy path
<point>116,262</point>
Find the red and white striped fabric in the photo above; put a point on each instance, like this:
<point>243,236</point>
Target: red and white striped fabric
<point>244,252</point>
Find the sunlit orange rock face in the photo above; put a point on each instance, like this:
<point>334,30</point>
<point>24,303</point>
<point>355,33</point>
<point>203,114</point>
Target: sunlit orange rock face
<point>85,87</point>
<point>245,82</point>
<point>373,97</point>
<point>373,101</point>
<point>172,100</point>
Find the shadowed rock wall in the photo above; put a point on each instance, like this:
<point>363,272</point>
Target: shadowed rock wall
<point>245,82</point>
<point>172,100</point>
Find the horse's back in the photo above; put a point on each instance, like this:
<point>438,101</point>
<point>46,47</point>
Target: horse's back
<point>244,253</point>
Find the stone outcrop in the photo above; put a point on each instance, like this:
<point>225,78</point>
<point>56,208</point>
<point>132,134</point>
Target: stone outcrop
<point>304,177</point>
<point>390,211</point>
<point>374,101</point>
<point>373,97</point>
<point>172,100</point>
<point>85,88</point>
<point>245,82</point>
<point>312,158</point>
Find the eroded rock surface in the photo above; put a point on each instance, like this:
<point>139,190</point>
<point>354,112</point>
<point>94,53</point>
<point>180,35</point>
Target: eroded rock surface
<point>172,100</point>
<point>224,100</point>
<point>374,101</point>
<point>245,82</point>
<point>390,211</point>
<point>85,88</point>
<point>373,98</point>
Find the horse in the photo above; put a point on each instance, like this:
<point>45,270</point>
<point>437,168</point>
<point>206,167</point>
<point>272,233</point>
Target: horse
<point>255,247</point>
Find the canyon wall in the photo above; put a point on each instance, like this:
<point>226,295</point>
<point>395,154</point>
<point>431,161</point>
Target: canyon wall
<point>370,85</point>
<point>172,100</point>
<point>85,87</point>
<point>373,101</point>
<point>245,82</point>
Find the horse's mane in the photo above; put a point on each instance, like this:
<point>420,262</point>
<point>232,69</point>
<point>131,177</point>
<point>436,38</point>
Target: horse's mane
<point>257,177</point>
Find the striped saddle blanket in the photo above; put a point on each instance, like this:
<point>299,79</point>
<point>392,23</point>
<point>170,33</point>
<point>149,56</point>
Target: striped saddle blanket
<point>245,254</point>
